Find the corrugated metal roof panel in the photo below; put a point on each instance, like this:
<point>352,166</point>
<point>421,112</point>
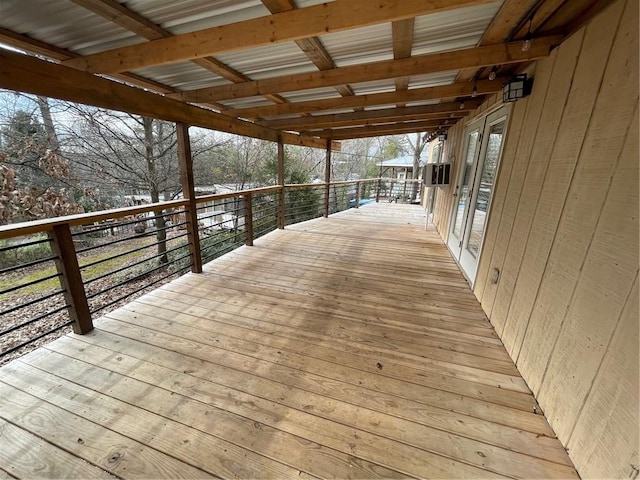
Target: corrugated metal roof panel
<point>314,94</point>
<point>432,79</point>
<point>247,102</point>
<point>190,15</point>
<point>182,76</point>
<point>64,24</point>
<point>453,29</point>
<point>359,45</point>
<point>378,86</point>
<point>276,60</point>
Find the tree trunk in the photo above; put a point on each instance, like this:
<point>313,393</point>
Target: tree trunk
<point>159,220</point>
<point>49,128</point>
<point>421,142</point>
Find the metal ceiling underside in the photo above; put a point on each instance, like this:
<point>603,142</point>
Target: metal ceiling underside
<point>82,28</point>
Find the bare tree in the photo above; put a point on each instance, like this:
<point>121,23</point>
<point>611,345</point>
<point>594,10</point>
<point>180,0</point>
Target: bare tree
<point>417,146</point>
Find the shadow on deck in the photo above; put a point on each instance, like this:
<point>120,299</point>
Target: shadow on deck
<point>348,347</point>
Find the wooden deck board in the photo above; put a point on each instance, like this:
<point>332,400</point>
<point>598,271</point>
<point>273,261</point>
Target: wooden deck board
<point>347,347</point>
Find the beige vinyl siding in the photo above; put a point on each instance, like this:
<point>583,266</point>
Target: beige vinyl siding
<point>563,232</point>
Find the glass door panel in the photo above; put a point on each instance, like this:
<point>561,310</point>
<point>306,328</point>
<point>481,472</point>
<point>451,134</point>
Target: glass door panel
<point>485,189</point>
<point>471,207</point>
<point>463,191</point>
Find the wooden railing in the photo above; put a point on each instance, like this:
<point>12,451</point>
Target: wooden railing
<point>62,271</point>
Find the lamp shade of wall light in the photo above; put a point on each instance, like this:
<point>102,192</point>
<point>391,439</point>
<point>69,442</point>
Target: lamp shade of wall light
<point>518,87</point>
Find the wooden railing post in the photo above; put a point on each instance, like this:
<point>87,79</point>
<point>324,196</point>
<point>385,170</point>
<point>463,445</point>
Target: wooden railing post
<point>71,278</point>
<point>327,179</point>
<point>281,219</point>
<point>378,188</point>
<point>248,219</point>
<point>188,190</point>
<point>357,205</point>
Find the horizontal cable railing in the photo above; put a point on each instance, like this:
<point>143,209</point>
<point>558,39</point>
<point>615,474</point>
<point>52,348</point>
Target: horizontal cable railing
<point>57,274</point>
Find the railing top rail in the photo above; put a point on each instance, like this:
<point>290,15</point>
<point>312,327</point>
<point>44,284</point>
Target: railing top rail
<point>239,193</point>
<point>47,224</point>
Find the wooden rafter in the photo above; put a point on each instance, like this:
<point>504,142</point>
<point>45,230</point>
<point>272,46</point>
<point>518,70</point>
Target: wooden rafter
<point>38,47</point>
<point>132,21</point>
<point>31,75</point>
<point>374,99</point>
<point>399,118</point>
<point>510,15</point>
<point>285,26</point>
<point>402,35</point>
<point>379,130</point>
<point>312,47</point>
<point>441,110</point>
<point>503,53</point>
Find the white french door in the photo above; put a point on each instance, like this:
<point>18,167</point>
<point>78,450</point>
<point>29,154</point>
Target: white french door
<point>474,188</point>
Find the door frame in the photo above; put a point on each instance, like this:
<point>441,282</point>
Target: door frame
<point>488,119</point>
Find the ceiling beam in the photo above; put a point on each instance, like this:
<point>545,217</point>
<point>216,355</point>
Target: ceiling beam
<point>439,117</point>
<point>381,130</point>
<point>441,110</point>
<point>464,89</point>
<point>306,22</point>
<point>136,23</point>
<point>503,53</point>
<point>508,17</point>
<point>312,46</point>
<point>28,74</point>
<point>38,47</point>
<point>402,37</point>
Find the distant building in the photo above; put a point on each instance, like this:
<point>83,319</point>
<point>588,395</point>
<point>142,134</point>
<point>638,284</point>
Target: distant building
<point>400,168</point>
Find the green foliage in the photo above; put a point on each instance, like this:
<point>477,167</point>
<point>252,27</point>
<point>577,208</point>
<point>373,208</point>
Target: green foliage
<point>26,254</point>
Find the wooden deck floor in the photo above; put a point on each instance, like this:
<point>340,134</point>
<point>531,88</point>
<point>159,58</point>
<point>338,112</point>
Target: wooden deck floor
<point>348,347</point>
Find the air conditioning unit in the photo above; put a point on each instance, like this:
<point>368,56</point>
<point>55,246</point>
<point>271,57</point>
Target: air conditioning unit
<point>437,174</point>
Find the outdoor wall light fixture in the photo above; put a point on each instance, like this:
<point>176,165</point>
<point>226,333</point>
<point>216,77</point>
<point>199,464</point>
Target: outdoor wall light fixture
<point>518,87</point>
<point>442,137</point>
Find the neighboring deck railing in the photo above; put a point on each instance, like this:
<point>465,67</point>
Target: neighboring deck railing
<point>62,271</point>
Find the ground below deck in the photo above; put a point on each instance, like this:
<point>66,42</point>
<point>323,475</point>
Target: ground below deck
<point>348,347</point>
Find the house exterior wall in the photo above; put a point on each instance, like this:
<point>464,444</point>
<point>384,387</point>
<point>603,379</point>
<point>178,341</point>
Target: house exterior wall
<point>563,233</point>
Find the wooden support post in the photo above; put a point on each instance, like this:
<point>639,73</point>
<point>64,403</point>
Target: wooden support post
<point>357,205</point>
<point>188,191</point>
<point>248,219</point>
<point>281,219</point>
<point>327,179</point>
<point>70,278</point>
<point>378,188</point>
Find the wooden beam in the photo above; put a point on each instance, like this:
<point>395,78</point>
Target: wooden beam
<point>71,278</point>
<point>510,15</point>
<point>127,19</point>
<point>380,130</point>
<point>312,129</point>
<point>375,99</point>
<point>312,47</point>
<point>543,13</point>
<point>570,14</point>
<point>327,179</point>
<point>281,212</point>
<point>286,26</point>
<point>442,110</point>
<point>188,191</point>
<point>419,65</point>
<point>134,22</point>
<point>38,47</point>
<point>402,35</point>
<point>31,75</point>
